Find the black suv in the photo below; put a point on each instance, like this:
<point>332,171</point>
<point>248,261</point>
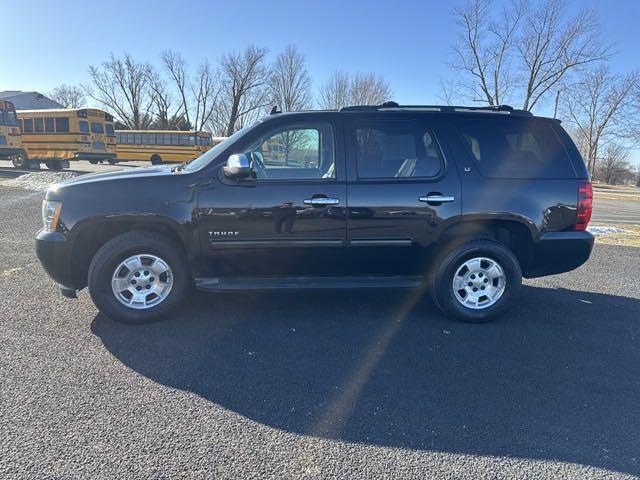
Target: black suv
<point>458,201</point>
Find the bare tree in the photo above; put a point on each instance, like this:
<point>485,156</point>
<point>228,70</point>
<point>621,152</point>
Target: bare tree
<point>243,93</point>
<point>600,106</point>
<point>362,89</point>
<point>167,116</point>
<point>524,51</point>
<point>614,167</point>
<point>176,68</point>
<point>485,48</point>
<point>335,93</point>
<point>120,85</point>
<point>369,89</point>
<point>205,91</point>
<point>69,96</point>
<point>552,46</point>
<point>289,81</point>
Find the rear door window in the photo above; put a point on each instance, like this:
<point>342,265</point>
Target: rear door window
<point>396,150</point>
<point>516,148</point>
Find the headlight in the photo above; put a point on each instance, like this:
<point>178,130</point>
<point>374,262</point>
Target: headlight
<point>50,214</point>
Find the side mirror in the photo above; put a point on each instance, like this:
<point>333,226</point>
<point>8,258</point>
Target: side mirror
<point>238,167</point>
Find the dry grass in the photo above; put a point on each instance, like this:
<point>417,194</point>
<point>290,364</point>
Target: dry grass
<point>616,192</point>
<point>629,238</point>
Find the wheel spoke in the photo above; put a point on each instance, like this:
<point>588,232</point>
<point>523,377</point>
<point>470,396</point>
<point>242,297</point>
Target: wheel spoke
<point>120,284</point>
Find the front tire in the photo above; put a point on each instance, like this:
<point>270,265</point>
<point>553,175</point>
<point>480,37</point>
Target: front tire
<point>476,281</point>
<point>138,277</point>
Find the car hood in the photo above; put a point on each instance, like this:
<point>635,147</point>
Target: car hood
<point>118,175</point>
<point>98,178</point>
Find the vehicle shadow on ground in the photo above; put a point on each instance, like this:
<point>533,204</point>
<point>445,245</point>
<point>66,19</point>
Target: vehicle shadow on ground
<point>557,378</point>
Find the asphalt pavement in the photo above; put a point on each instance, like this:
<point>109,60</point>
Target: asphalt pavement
<point>352,384</point>
<point>611,212</point>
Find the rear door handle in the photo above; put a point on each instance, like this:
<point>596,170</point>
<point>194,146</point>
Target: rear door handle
<point>321,201</point>
<point>437,198</point>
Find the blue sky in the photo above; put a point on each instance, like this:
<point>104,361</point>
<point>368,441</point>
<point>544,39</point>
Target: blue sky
<point>408,42</point>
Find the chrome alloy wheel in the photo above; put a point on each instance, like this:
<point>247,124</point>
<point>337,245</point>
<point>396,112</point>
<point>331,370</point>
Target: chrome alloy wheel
<point>142,281</point>
<point>479,283</point>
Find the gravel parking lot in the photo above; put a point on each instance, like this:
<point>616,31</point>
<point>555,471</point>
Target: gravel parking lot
<point>318,384</point>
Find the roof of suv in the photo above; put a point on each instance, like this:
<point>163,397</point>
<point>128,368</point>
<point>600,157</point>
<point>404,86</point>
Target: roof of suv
<point>395,107</point>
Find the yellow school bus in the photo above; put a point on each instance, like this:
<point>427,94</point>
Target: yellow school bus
<point>10,137</point>
<point>57,136</point>
<point>157,146</point>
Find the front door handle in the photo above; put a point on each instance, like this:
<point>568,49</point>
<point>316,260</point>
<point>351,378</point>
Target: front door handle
<point>321,201</point>
<point>437,198</point>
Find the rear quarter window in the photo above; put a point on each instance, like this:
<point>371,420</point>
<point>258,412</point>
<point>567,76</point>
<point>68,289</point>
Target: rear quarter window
<point>516,148</point>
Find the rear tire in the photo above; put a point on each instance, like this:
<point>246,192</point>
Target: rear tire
<point>105,267</point>
<point>156,160</point>
<point>93,162</point>
<point>55,165</point>
<point>21,160</point>
<point>455,277</point>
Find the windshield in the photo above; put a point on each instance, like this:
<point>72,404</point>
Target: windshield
<point>206,158</point>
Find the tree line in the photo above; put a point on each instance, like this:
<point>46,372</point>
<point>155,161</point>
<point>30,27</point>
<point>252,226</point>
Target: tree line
<point>221,98</point>
<point>531,54</point>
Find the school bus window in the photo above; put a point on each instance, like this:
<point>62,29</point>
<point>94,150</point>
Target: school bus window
<point>48,124</point>
<point>62,124</point>
<point>97,127</point>
<point>137,138</point>
<point>109,129</point>
<point>39,124</point>
<point>84,126</point>
<point>12,118</point>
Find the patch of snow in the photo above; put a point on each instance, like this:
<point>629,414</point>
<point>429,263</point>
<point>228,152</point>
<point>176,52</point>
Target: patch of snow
<point>37,181</point>
<point>603,230</point>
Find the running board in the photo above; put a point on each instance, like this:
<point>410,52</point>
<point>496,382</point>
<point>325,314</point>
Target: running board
<point>294,283</point>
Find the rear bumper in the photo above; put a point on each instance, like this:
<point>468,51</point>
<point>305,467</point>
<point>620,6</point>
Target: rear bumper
<point>558,252</point>
<point>54,253</point>
<point>94,156</point>
<point>8,152</point>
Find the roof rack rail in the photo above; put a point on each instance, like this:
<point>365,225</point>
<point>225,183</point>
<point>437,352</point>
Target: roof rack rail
<point>386,106</point>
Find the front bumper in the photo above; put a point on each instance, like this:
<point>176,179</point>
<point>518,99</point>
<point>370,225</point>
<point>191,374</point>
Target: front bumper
<point>54,253</point>
<point>558,252</point>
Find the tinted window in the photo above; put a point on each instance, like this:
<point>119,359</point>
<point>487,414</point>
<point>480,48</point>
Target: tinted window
<point>48,124</point>
<point>137,138</point>
<point>84,126</point>
<point>39,124</point>
<point>28,125</point>
<point>62,124</point>
<point>396,151</point>
<point>97,127</point>
<point>2,117</point>
<point>109,129</point>
<point>294,153</point>
<point>516,148</point>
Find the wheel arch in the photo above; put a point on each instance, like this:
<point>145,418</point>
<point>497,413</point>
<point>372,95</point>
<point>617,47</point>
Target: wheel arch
<point>516,234</point>
<point>90,236</point>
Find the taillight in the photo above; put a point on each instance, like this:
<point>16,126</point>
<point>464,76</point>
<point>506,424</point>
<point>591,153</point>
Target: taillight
<point>585,205</point>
